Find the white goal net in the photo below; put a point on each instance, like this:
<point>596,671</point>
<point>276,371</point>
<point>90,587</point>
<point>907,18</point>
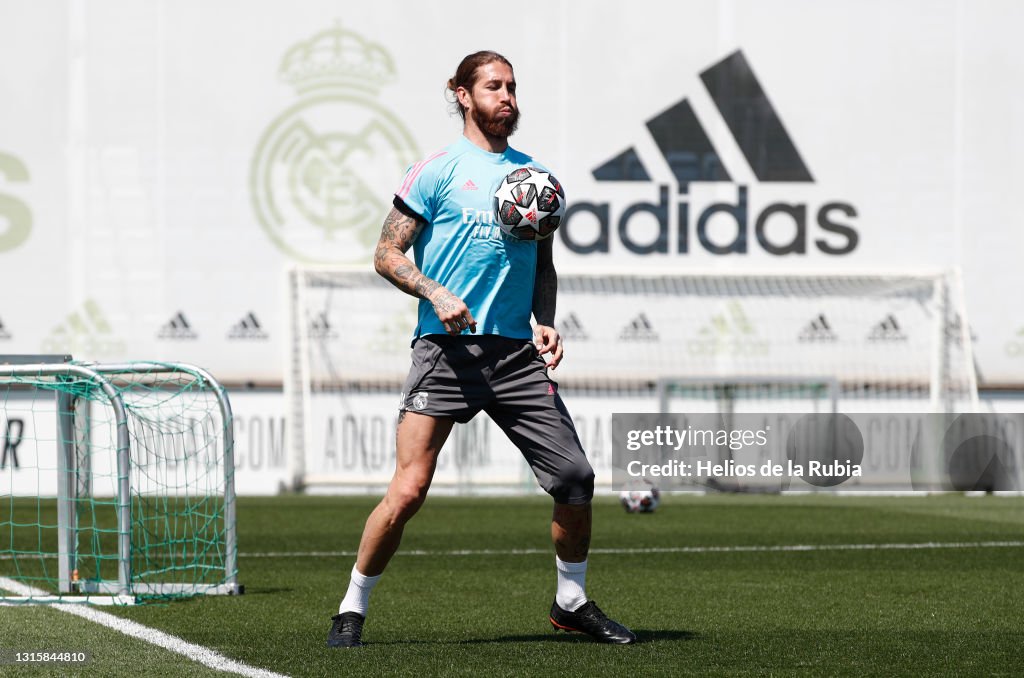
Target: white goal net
<point>639,341</point>
<point>118,482</point>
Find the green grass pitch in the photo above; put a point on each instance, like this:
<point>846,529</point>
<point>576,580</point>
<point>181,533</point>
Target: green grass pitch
<point>448,607</point>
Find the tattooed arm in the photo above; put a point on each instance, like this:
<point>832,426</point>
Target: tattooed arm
<point>545,294</point>
<point>400,229</point>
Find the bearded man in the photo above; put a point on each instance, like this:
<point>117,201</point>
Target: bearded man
<point>474,348</point>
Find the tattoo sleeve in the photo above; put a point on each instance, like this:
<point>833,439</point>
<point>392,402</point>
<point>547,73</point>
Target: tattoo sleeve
<point>545,285</point>
<point>390,261</point>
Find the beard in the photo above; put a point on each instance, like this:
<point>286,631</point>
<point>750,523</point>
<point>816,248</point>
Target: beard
<point>494,126</point>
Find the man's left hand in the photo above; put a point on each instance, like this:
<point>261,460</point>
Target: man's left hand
<point>547,341</point>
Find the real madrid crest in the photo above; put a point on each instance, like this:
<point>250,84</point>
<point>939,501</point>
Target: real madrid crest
<point>324,169</point>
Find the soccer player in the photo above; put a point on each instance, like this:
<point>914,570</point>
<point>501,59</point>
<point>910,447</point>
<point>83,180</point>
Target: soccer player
<point>474,348</point>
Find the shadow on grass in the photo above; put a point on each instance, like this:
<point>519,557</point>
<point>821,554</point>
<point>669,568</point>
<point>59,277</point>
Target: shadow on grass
<point>264,590</point>
<point>642,636</point>
<point>653,636</point>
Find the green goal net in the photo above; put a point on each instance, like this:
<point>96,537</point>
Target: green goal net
<point>116,482</point>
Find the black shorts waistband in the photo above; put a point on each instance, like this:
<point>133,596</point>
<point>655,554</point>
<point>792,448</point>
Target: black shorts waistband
<point>491,341</point>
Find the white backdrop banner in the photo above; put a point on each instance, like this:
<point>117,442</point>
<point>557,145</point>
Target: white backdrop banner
<point>354,445</point>
<point>162,163</point>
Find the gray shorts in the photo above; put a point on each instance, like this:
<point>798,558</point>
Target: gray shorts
<point>457,377</point>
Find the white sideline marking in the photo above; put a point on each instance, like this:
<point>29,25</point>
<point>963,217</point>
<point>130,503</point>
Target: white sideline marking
<point>653,549</point>
<point>196,653</point>
<point>660,549</point>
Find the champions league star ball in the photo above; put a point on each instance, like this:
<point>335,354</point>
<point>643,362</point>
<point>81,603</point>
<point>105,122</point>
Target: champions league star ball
<point>639,501</point>
<point>529,204</point>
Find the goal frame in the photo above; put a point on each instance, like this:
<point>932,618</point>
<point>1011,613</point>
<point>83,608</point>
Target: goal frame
<point>723,385</point>
<point>941,389</point>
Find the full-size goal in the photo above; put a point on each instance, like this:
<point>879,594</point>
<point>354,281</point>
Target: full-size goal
<point>668,341</point>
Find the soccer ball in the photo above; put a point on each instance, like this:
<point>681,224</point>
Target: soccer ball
<point>529,204</point>
<point>639,501</point>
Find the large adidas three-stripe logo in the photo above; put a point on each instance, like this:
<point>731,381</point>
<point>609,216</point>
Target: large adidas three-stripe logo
<point>777,228</point>
<point>688,150</point>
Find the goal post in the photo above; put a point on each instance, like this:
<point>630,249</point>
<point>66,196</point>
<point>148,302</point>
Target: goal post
<point>348,333</point>
<point>765,341</point>
<point>120,485</point>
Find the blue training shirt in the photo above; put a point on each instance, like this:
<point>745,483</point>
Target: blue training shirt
<point>462,247</point>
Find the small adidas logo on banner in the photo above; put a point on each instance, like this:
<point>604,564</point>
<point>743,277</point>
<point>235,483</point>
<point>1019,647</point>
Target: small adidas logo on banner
<point>818,331</point>
<point>887,330</point>
<point>954,330</point>
<point>177,328</point>
<point>639,329</point>
<point>248,328</point>
<point>320,327</point>
<point>729,332</point>
<point>469,185</point>
<point>85,333</point>
<point>572,328</point>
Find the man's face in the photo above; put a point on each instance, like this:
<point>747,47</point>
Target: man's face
<point>492,103</point>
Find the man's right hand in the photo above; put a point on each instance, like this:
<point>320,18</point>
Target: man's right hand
<point>452,312</point>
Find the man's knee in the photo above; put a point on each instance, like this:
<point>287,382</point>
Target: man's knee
<point>405,500</point>
<point>574,484</point>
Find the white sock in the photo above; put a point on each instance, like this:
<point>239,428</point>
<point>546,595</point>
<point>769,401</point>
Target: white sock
<point>357,599</point>
<point>572,578</point>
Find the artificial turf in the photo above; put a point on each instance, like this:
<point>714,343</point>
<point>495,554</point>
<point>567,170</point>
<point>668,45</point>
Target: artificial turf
<point>469,592</point>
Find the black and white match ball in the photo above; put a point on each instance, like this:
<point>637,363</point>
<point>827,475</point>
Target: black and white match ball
<point>529,204</point>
